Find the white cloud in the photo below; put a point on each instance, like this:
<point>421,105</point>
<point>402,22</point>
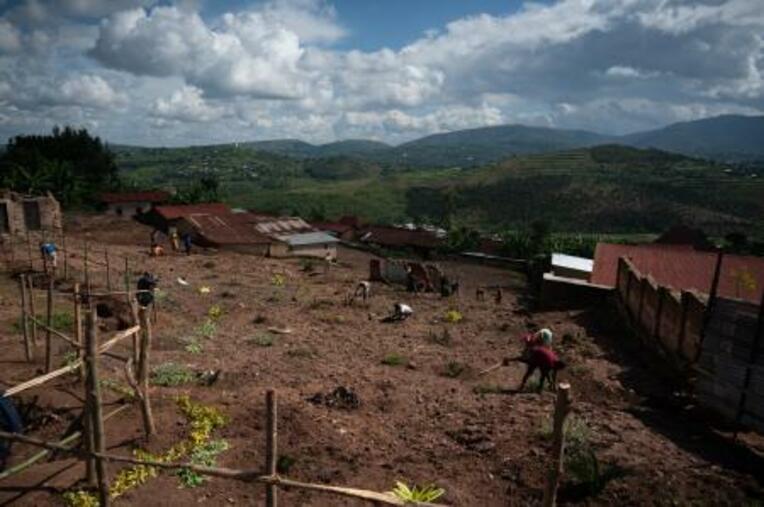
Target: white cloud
<point>10,37</point>
<point>187,104</point>
<point>244,56</point>
<point>89,91</point>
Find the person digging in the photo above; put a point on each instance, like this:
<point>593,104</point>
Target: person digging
<point>401,312</point>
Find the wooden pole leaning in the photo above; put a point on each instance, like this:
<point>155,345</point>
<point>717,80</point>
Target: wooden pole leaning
<point>49,325</point>
<point>561,411</point>
<point>95,410</point>
<point>143,372</point>
<point>271,446</point>
<point>28,351</point>
<point>66,254</point>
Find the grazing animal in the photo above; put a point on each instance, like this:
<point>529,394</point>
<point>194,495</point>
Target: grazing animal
<point>363,289</point>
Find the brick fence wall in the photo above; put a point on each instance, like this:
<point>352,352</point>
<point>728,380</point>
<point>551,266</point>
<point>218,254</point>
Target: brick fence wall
<point>728,357</point>
<point>670,319</point>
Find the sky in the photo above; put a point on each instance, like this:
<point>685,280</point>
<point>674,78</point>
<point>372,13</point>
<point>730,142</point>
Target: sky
<point>176,73</point>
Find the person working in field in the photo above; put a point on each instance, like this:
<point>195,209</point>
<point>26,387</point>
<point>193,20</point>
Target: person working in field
<point>186,238</point>
<point>544,359</point>
<point>49,253</point>
<point>146,285</point>
<point>542,337</point>
<point>363,289</point>
<point>401,312</point>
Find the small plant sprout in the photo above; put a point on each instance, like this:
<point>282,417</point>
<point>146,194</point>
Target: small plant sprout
<point>394,359</point>
<point>171,374</point>
<point>424,494</point>
<point>207,329</point>
<point>194,346</point>
<point>215,312</point>
<point>278,280</point>
<point>454,316</point>
<point>454,369</point>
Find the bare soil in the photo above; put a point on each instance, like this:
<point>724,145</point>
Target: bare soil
<point>473,436</point>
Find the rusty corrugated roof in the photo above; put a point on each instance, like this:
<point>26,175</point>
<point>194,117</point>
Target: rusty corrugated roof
<point>171,212</point>
<point>683,268</point>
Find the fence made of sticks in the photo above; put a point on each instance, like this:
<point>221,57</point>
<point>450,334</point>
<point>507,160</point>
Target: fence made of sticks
<point>90,351</point>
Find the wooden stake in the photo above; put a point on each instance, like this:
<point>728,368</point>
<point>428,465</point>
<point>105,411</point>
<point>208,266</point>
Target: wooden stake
<point>95,408</point>
<point>271,446</point>
<point>561,411</point>
<point>66,254</point>
<point>49,324</point>
<point>28,353</point>
<point>29,251</point>
<point>78,327</point>
<point>87,273</point>
<point>32,308</point>
<point>108,271</point>
<point>143,372</point>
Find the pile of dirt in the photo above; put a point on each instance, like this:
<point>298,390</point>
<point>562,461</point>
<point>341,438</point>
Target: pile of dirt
<point>342,398</point>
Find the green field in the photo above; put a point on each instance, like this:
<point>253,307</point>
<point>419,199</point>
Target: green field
<point>606,189</point>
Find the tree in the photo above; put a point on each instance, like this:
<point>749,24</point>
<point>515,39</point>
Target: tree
<point>69,163</point>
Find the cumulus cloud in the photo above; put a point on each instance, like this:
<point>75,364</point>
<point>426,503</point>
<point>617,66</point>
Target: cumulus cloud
<point>187,104</point>
<point>89,91</point>
<point>244,55</point>
<point>274,69</point>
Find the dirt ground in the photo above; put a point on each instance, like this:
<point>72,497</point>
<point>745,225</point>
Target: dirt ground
<point>474,436</point>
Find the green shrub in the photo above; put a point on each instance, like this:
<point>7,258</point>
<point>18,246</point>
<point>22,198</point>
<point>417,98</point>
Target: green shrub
<point>171,374</point>
<point>194,346</point>
<point>263,339</point>
<point>203,455</point>
<point>207,329</point>
<point>394,359</point>
<point>454,369</point>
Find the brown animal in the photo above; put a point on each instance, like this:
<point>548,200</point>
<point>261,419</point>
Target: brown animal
<point>480,294</point>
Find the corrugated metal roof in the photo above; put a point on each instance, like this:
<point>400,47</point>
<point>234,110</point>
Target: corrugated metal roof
<point>181,210</point>
<point>118,197</point>
<point>572,262</point>
<point>683,268</point>
<point>226,229</point>
<point>309,238</point>
<point>282,225</point>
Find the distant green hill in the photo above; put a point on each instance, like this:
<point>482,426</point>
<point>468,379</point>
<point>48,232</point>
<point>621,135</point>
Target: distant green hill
<point>728,137</point>
<point>480,146</point>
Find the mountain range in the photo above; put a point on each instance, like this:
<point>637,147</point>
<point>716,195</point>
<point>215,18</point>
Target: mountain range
<point>729,138</point>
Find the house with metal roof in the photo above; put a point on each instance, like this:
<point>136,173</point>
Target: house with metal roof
<point>308,244</point>
<point>130,204</point>
<point>571,266</point>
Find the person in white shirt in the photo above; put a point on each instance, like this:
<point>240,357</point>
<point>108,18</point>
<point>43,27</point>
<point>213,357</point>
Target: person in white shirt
<point>402,311</point>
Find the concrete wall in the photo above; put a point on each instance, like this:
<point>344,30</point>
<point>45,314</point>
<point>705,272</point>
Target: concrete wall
<point>567,293</point>
<point>731,364</point>
<point>281,249</point>
<point>48,210</point>
<point>729,356</point>
<point>669,319</point>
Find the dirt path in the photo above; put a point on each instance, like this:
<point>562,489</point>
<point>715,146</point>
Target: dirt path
<point>414,422</point>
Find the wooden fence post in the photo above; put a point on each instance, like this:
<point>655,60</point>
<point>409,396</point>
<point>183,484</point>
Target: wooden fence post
<point>685,301</point>
<point>29,251</point>
<point>32,308</point>
<point>94,407</point>
<point>659,313</point>
<point>49,324</point>
<point>66,254</point>
<point>143,371</point>
<point>561,411</point>
<point>87,271</point>
<point>78,327</point>
<point>271,446</point>
<point>108,270</point>
<point>25,319</point>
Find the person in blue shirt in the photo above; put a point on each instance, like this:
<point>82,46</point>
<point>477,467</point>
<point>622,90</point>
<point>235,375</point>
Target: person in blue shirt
<point>49,253</point>
<point>10,422</point>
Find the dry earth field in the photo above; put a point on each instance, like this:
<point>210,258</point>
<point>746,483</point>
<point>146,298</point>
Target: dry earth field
<point>414,423</point>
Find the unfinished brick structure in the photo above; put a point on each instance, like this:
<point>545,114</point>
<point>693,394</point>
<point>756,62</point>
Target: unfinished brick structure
<point>20,214</point>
